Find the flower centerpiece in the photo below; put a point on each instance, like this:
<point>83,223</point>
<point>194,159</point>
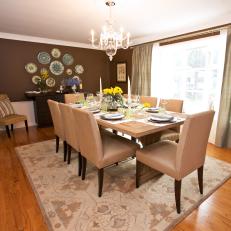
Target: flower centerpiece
<point>113,97</point>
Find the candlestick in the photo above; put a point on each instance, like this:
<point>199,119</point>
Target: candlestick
<point>129,92</point>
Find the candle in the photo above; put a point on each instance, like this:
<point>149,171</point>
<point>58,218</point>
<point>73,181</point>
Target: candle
<point>100,86</point>
<point>129,91</point>
<point>92,36</point>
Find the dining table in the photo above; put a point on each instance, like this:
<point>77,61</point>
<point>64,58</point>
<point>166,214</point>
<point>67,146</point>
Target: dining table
<point>138,125</point>
<point>140,128</point>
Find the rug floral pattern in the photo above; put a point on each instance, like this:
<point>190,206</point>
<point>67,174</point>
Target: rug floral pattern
<point>70,204</point>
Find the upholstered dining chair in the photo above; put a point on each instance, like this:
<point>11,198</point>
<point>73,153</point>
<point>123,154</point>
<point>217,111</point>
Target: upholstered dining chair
<point>179,160</point>
<point>70,130</point>
<point>58,125</point>
<point>174,105</point>
<point>73,98</point>
<point>149,99</point>
<point>8,115</point>
<point>102,148</point>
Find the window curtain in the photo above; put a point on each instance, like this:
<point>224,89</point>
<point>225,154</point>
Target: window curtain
<point>141,70</point>
<point>223,134</point>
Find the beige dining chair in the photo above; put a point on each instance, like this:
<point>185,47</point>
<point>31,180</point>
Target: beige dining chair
<point>58,125</point>
<point>179,160</point>
<point>149,99</point>
<point>173,105</point>
<point>70,131</point>
<point>102,148</point>
<point>73,98</point>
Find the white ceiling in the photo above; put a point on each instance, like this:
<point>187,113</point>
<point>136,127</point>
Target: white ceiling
<point>146,20</point>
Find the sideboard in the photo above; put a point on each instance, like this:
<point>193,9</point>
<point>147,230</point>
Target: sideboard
<point>41,109</point>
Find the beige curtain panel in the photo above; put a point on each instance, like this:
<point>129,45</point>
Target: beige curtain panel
<point>141,70</point>
<point>223,134</point>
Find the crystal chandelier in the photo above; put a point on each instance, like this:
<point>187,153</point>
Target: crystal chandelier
<point>110,40</point>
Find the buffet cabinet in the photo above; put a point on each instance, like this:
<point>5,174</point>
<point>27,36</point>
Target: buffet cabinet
<point>41,109</point>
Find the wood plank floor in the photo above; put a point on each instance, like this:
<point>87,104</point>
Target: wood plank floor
<point>19,210</point>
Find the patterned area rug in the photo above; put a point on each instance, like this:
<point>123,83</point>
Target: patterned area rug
<point>70,204</point>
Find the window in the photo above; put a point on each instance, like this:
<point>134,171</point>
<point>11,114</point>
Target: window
<point>191,71</point>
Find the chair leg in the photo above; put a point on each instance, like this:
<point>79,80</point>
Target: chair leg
<point>7,131</point>
<point>68,154</point>
<point>57,143</point>
<point>200,178</point>
<point>137,173</point>
<point>80,163</point>
<point>115,132</point>
<point>12,127</point>
<point>84,166</point>
<point>65,150</point>
<point>26,125</point>
<point>100,181</point>
<point>177,195</point>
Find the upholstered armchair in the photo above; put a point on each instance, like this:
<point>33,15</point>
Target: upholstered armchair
<point>58,125</point>
<point>101,148</point>
<point>8,117</point>
<point>73,98</point>
<point>179,160</point>
<point>71,132</point>
<point>149,99</point>
<point>174,105</point>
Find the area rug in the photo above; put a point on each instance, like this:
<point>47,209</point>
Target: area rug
<point>70,204</point>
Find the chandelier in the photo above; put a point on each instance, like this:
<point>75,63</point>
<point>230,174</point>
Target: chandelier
<point>110,40</point>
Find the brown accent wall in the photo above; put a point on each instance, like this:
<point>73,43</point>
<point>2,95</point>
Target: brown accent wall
<point>121,56</point>
<point>14,55</point>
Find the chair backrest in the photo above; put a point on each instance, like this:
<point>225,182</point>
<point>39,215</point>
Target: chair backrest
<point>56,118</point>
<point>73,98</point>
<point>191,149</point>
<point>149,99</point>
<point>90,139</point>
<point>69,125</point>
<point>6,107</point>
<point>174,105</point>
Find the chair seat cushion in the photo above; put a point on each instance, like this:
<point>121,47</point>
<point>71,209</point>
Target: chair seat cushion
<point>170,134</point>
<point>12,119</point>
<point>116,148</point>
<point>160,156</point>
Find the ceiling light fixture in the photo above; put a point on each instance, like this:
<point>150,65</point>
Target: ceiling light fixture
<point>110,40</point>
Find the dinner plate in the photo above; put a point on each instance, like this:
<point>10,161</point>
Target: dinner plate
<point>79,69</point>
<point>161,118</point>
<point>31,68</point>
<point>153,110</point>
<point>50,82</point>
<point>76,105</point>
<point>112,116</point>
<point>56,67</point>
<point>55,52</point>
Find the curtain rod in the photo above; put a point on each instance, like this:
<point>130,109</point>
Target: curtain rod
<point>209,30</point>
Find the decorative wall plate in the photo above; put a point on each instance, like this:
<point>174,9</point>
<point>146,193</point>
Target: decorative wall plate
<point>50,82</point>
<point>69,71</point>
<point>56,68</point>
<point>31,68</point>
<point>68,59</point>
<point>44,57</point>
<point>79,69</point>
<point>56,53</point>
<point>35,79</point>
<point>42,70</point>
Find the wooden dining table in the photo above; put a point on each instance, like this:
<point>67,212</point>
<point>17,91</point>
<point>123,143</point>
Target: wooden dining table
<point>145,131</point>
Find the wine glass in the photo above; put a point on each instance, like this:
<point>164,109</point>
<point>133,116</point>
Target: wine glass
<point>90,99</point>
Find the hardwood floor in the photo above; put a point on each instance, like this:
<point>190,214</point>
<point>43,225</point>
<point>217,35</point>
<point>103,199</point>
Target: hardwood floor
<point>19,210</point>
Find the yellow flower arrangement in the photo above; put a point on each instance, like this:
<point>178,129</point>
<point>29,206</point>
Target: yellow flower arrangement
<point>147,105</point>
<point>114,95</point>
<point>112,91</point>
